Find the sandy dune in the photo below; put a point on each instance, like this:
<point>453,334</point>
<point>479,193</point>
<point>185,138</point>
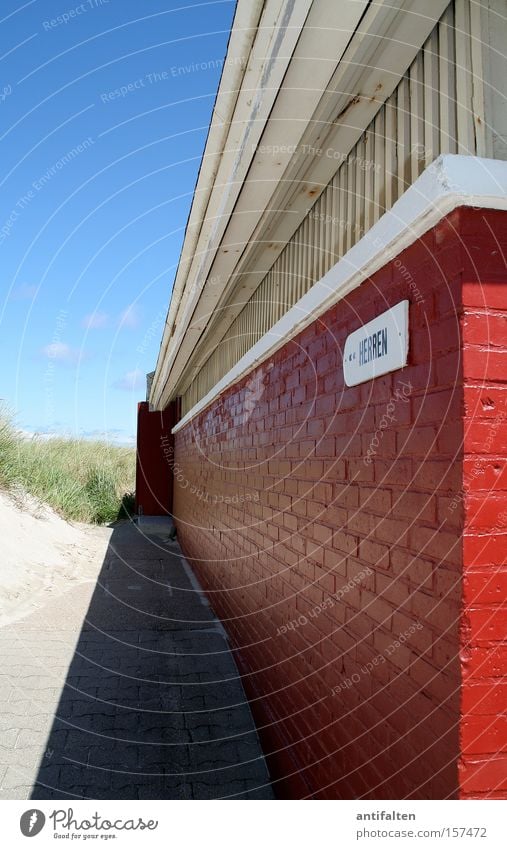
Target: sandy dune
<point>40,553</point>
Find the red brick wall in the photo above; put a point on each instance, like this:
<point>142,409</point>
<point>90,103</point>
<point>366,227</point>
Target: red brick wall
<point>154,460</point>
<point>483,767</point>
<point>326,524</point>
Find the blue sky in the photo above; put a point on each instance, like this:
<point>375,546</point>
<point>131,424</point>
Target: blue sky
<point>105,108</point>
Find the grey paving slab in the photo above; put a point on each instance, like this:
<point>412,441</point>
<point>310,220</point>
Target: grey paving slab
<point>126,689</point>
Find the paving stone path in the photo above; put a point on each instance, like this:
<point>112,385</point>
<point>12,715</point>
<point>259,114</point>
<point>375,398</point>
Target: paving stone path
<point>126,689</point>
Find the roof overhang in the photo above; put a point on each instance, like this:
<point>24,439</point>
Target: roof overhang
<point>451,181</point>
<point>298,76</point>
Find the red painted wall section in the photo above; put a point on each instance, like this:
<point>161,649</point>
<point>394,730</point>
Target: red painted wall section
<point>155,460</point>
<point>326,524</point>
<point>483,767</point>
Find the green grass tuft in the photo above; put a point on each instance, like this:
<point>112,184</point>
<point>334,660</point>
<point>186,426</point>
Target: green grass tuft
<point>84,481</point>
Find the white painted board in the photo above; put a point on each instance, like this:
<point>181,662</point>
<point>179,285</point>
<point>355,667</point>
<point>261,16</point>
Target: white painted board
<point>378,347</point>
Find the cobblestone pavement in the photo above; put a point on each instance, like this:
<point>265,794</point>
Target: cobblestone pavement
<point>126,689</point>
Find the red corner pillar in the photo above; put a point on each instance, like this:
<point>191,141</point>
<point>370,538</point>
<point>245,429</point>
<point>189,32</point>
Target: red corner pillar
<point>483,727</point>
<point>155,460</point>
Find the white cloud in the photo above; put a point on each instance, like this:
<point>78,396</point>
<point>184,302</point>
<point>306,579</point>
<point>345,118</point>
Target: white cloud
<point>23,293</point>
<point>130,317</point>
<point>115,436</point>
<point>95,320</point>
<point>61,352</point>
<point>131,380</point>
<point>39,434</point>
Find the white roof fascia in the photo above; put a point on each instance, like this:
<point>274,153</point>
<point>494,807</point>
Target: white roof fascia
<point>449,182</point>
<point>277,32</point>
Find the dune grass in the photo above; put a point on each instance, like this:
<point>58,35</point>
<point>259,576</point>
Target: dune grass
<point>84,481</point>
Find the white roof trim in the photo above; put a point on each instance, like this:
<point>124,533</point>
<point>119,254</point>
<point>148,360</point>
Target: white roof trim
<point>449,182</point>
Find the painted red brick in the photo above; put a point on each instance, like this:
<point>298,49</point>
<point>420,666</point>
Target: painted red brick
<point>487,776</point>
<point>480,737</point>
<point>484,654</point>
<point>155,460</point>
<point>369,673</point>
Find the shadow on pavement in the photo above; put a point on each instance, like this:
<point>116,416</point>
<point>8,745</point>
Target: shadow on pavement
<point>152,706</point>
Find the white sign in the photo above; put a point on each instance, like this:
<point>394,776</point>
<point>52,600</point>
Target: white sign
<point>377,347</point>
